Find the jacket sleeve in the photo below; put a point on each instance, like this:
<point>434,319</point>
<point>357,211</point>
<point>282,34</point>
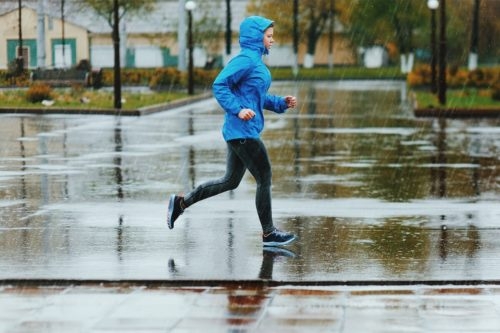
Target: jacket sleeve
<point>227,80</point>
<point>275,103</point>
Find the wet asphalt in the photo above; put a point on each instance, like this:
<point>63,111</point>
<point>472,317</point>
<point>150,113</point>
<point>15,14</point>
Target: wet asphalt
<point>397,218</point>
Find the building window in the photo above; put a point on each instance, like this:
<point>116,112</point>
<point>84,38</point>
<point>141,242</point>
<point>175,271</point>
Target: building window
<point>64,52</point>
<point>62,56</point>
<point>29,51</point>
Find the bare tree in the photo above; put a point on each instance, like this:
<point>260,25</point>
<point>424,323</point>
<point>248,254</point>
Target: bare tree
<point>105,8</point>
<point>314,19</point>
<point>113,11</point>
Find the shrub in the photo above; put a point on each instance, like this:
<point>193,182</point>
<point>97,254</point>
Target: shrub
<point>453,70</point>
<point>38,92</point>
<point>420,76</point>
<point>204,78</point>
<point>136,77</point>
<point>455,77</point>
<point>476,78</point>
<point>415,80</point>
<point>7,78</point>
<point>107,77</point>
<point>165,78</point>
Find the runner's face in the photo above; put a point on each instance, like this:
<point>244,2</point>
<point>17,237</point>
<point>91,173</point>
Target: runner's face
<point>268,38</point>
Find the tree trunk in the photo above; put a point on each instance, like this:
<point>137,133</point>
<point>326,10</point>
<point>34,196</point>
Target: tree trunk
<point>407,61</point>
<point>473,61</point>
<point>309,60</point>
<point>116,45</point>
<point>473,54</point>
<point>311,42</point>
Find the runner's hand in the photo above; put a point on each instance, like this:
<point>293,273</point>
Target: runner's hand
<point>291,101</point>
<point>246,114</point>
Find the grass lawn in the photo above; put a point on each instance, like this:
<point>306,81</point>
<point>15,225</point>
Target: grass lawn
<point>89,99</point>
<point>458,98</point>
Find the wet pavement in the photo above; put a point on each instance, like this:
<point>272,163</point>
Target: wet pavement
<point>244,309</point>
<point>375,195</point>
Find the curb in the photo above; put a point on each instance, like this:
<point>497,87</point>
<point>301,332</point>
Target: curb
<point>110,112</point>
<point>172,105</point>
<point>254,283</point>
<point>453,112</point>
<point>459,113</point>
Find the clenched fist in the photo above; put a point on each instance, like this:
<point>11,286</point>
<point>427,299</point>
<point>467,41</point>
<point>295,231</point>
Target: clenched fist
<point>291,101</point>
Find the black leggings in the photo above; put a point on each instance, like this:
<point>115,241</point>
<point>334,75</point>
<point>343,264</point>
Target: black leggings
<point>242,154</point>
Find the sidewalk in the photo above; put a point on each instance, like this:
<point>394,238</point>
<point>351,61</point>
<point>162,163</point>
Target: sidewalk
<point>390,240</point>
<point>240,308</point>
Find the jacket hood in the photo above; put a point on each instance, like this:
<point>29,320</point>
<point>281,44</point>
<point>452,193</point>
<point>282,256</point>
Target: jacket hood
<point>252,33</point>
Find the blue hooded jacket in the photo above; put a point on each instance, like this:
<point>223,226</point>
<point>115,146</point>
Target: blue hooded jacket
<point>244,83</point>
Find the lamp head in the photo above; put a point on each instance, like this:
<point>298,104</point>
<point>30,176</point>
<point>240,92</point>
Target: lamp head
<point>190,5</point>
<point>433,4</point>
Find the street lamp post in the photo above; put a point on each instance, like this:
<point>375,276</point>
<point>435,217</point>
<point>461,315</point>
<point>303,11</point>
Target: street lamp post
<point>229,34</point>
<point>19,58</point>
<point>63,35</point>
<point>433,5</point>
<point>190,6</point>
<point>295,67</point>
<point>442,54</point>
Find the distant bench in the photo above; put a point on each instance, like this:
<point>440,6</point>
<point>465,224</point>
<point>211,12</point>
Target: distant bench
<point>59,77</point>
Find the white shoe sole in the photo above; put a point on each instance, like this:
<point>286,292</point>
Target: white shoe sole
<point>171,203</point>
<point>280,243</point>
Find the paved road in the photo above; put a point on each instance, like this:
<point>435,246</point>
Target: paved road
<point>390,211</point>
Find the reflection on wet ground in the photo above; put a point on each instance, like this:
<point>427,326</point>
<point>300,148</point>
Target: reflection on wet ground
<point>125,308</point>
<point>372,192</point>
